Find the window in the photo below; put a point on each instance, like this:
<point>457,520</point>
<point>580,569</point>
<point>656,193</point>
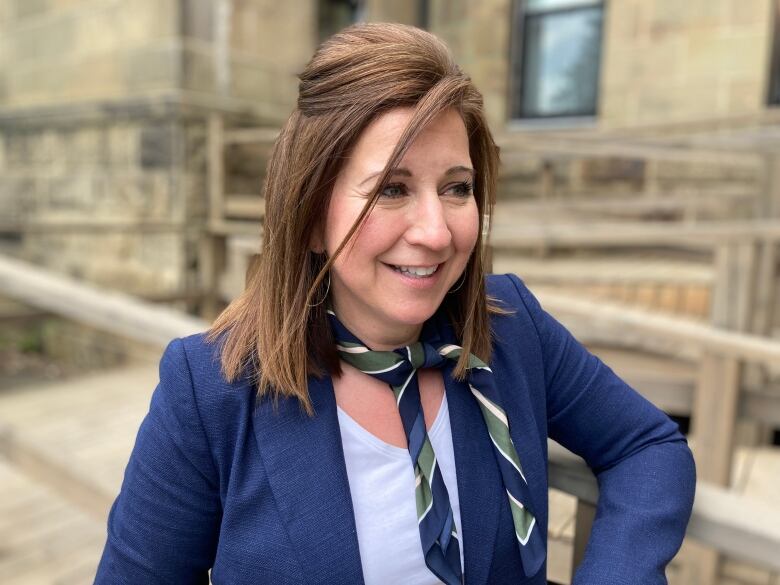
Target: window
<point>774,74</point>
<point>556,59</point>
<point>333,15</point>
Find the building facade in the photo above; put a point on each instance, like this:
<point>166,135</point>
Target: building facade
<point>104,103</point>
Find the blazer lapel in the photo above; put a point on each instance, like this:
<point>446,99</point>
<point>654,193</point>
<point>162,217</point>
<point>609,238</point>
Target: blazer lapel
<point>479,479</point>
<point>304,460</point>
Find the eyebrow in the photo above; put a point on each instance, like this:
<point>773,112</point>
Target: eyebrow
<point>407,173</point>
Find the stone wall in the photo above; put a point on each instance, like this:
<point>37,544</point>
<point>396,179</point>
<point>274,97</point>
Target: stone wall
<point>662,60</point>
<point>118,201</point>
<point>479,34</point>
<point>666,60</point>
<point>103,116</point>
<point>58,51</point>
<point>249,51</point>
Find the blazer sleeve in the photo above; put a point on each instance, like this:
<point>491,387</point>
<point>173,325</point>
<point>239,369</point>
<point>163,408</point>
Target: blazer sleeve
<point>644,467</point>
<point>163,526</point>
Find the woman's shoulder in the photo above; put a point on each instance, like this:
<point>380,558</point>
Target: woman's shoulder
<point>509,292</point>
<point>191,379</point>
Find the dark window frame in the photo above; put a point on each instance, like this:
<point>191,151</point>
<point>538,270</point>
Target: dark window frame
<point>325,27</point>
<point>773,89</point>
<point>518,38</point>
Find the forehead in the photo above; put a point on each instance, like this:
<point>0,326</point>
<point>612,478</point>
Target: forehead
<point>443,141</point>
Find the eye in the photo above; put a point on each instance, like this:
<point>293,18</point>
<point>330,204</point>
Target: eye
<point>463,189</point>
<point>393,191</point>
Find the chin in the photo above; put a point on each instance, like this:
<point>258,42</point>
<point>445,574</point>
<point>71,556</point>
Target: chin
<point>413,315</point>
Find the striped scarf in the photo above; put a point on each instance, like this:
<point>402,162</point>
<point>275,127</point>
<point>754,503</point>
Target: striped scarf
<point>438,534</point>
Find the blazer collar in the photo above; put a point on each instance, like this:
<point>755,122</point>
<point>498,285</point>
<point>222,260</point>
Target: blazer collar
<point>304,459</point>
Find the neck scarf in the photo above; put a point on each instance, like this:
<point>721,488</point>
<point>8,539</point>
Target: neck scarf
<point>438,534</point>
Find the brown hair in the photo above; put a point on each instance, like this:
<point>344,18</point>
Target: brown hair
<point>277,327</point>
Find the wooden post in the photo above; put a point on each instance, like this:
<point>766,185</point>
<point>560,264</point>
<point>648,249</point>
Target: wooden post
<point>766,289</point>
<point>713,425</point>
<point>733,289</point>
<point>583,523</point>
<point>211,253</point>
<point>771,185</point>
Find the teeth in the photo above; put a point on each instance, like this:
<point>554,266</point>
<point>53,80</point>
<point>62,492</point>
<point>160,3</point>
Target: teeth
<point>417,270</point>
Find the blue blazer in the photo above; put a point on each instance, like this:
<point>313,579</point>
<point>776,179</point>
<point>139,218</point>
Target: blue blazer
<point>259,494</point>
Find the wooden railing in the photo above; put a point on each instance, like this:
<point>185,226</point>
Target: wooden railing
<point>719,398</point>
<point>753,533</point>
<point>722,520</point>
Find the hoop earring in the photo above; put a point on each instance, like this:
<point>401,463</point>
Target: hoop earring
<point>457,288</point>
<point>325,296</point>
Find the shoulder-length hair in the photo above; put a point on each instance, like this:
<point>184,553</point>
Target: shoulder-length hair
<point>277,329</point>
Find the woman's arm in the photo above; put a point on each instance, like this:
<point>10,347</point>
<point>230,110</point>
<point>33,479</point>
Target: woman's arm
<point>644,468</point>
<point>164,525</point>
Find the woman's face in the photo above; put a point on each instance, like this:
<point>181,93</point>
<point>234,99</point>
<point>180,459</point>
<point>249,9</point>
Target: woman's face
<point>415,243</point>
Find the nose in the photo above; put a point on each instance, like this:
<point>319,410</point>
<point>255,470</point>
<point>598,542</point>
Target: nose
<point>428,224</point>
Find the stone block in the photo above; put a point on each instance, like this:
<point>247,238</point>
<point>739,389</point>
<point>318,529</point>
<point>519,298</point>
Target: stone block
<point>23,9</point>
<point>6,16</point>
<point>723,53</point>
<point>98,30</point>
<point>141,195</point>
<point>264,28</point>
<point>197,19</point>
<point>156,146</point>
<point>751,13</point>
<point>144,264</point>
<point>151,67</point>
<point>264,83</point>
<point>745,95</point>
<point>447,11</point>
<point>625,22</point>
<point>610,171</point>
<point>146,21</point>
<point>123,145</point>
<point>44,41</point>
<point>195,148</point>
<point>198,67</point>
<point>90,145</point>
<point>403,11</point>
<point>69,196</point>
<point>15,199</point>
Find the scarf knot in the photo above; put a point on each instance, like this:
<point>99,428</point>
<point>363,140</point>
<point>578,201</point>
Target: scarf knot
<point>438,533</point>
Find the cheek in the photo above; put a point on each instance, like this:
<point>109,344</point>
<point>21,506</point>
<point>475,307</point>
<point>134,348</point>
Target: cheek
<point>467,230</point>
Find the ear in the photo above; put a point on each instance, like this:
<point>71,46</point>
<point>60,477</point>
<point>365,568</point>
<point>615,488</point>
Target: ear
<point>316,241</point>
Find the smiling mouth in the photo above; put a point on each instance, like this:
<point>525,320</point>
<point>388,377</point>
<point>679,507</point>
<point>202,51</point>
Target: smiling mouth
<point>416,271</point>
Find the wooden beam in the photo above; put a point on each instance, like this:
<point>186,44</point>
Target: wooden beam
<point>251,135</point>
<point>741,346</point>
<point>723,520</point>
<point>699,236</point>
<point>714,417</point>
<point>109,311</point>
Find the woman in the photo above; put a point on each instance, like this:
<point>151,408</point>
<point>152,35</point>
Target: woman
<point>373,408</point>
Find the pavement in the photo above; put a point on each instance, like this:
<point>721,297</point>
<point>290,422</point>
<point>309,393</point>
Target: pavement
<point>64,446</point>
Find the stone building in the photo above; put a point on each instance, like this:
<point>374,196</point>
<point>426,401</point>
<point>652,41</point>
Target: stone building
<point>104,103</point>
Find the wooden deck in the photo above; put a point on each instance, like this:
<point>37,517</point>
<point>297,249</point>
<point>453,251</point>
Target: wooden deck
<point>63,450</point>
<point>65,445</point>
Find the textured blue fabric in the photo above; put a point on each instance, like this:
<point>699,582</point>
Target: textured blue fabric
<point>260,493</point>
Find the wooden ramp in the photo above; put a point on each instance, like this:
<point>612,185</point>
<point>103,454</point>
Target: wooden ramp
<point>63,450</point>
<point>65,445</point>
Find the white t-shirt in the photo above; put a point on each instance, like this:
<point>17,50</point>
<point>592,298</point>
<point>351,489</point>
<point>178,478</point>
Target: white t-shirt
<point>381,482</point>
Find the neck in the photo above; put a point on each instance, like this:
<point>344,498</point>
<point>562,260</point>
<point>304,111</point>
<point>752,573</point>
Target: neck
<point>382,338</point>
